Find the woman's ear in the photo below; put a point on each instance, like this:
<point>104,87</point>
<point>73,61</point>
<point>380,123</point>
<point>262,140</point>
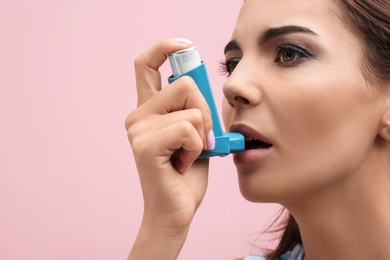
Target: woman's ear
<point>384,130</point>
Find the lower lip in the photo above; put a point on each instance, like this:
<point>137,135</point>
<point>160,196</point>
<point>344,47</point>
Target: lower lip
<point>251,156</point>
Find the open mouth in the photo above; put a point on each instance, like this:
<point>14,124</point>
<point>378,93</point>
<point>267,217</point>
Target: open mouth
<point>251,144</point>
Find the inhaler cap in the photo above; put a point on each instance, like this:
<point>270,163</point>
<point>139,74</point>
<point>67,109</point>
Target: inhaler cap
<point>184,61</point>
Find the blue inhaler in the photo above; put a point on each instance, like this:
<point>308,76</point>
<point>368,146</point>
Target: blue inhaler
<point>187,62</point>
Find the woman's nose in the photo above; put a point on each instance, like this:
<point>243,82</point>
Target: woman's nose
<point>241,89</point>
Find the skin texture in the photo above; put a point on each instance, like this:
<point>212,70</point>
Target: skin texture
<point>300,89</point>
<point>173,183</point>
<point>329,164</point>
<point>318,112</point>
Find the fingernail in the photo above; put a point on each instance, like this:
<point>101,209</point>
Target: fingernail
<point>183,41</point>
<point>210,140</point>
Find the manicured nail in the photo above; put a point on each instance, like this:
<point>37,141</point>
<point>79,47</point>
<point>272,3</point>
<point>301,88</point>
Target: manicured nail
<point>210,140</point>
<point>183,41</point>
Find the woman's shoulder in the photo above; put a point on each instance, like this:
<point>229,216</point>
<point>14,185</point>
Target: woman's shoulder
<point>295,254</point>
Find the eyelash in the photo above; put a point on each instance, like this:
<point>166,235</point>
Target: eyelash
<point>295,50</point>
<point>228,66</point>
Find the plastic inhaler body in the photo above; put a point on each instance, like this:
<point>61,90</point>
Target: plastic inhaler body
<point>188,63</point>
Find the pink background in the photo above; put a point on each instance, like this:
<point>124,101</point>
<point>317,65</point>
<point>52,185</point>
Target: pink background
<point>69,187</point>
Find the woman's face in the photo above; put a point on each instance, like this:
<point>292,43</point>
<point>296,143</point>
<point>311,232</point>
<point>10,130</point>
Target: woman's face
<point>296,83</point>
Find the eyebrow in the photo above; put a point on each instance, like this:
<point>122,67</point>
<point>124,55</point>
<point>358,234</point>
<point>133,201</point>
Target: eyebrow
<point>271,34</point>
<point>232,45</point>
<point>275,32</point>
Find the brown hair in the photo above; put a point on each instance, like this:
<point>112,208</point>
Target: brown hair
<point>370,20</point>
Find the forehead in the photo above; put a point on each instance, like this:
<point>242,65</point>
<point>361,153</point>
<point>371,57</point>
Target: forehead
<point>319,15</point>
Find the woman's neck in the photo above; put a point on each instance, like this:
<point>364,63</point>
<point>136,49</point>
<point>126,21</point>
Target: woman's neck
<point>349,220</point>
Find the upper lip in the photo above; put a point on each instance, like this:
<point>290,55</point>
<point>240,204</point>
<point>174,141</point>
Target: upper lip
<point>249,132</point>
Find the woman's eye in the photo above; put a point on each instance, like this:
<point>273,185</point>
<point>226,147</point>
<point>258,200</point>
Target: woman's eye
<point>288,55</point>
<point>228,66</point>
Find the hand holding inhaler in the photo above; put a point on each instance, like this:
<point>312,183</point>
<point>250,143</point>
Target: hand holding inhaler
<point>187,62</point>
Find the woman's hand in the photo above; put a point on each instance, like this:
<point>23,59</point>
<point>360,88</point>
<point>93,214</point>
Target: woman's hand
<point>167,132</point>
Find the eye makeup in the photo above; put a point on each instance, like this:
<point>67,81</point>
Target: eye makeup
<point>288,55</point>
<point>286,46</point>
<point>227,66</point>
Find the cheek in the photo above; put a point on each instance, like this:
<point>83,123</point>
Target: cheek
<point>315,108</point>
<point>310,123</point>
<point>327,131</point>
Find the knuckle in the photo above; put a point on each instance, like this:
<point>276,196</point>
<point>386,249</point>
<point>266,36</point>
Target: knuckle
<point>185,128</point>
<point>190,136</point>
<point>130,133</point>
<point>139,141</point>
<point>139,61</point>
<point>140,150</point>
<point>198,146</point>
<point>196,116</point>
<point>135,130</point>
<point>134,126</point>
<point>136,145</point>
<point>186,83</point>
<point>129,121</point>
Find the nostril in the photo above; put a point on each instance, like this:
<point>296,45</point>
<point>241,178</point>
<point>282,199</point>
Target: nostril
<point>231,104</point>
<point>241,100</point>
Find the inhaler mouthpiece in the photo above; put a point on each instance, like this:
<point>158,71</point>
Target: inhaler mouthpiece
<point>184,61</point>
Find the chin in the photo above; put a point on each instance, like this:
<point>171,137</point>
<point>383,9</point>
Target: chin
<point>254,192</point>
<point>266,186</point>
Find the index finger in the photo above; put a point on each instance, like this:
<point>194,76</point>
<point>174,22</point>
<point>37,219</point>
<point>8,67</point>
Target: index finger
<point>148,77</point>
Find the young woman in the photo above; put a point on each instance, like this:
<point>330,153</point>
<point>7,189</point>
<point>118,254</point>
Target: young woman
<point>309,85</point>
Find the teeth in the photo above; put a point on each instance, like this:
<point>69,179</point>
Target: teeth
<point>249,138</point>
